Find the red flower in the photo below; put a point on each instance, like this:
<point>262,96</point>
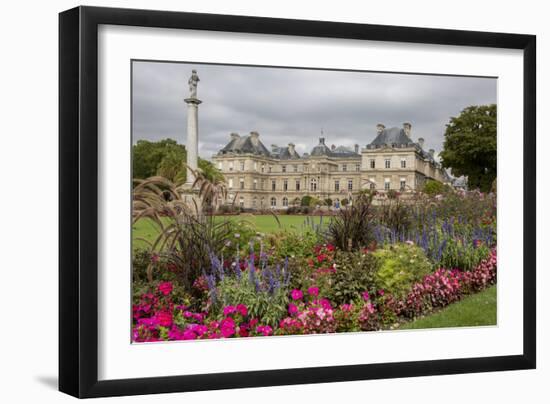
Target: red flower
<point>164,318</point>
<point>165,288</point>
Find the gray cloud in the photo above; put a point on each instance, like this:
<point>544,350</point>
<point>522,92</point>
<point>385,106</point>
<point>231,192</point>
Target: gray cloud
<point>294,105</point>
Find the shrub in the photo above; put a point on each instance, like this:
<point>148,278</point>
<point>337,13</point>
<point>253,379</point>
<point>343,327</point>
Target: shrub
<point>306,200</point>
<point>353,227</point>
<point>433,187</point>
<point>466,256</point>
<point>354,274</point>
<point>401,265</point>
<point>263,289</point>
<point>328,202</point>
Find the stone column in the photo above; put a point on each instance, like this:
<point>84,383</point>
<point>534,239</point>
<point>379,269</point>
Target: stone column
<point>192,145</point>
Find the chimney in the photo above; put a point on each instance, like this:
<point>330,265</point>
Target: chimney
<point>333,147</point>
<point>356,148</point>
<point>379,128</point>
<point>321,140</point>
<point>254,138</point>
<point>234,136</point>
<point>407,128</point>
<point>421,142</point>
<point>432,152</point>
<point>291,149</point>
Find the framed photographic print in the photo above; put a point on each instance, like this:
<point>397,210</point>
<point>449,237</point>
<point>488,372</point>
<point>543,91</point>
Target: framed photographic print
<point>251,201</point>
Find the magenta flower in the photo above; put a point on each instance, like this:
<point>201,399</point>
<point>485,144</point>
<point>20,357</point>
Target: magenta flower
<point>227,310</point>
<point>227,327</point>
<point>164,318</point>
<point>165,288</point>
<point>292,309</point>
<point>313,291</point>
<point>242,309</point>
<point>366,295</point>
<point>381,292</point>
<point>265,330</point>
<point>296,294</point>
<point>188,334</point>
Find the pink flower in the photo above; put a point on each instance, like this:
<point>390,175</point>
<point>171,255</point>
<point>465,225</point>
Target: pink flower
<point>265,330</point>
<point>366,295</point>
<point>242,309</point>
<point>164,318</point>
<point>381,292</point>
<point>292,309</point>
<point>313,291</point>
<point>188,334</point>
<point>165,288</point>
<point>227,310</point>
<point>296,294</point>
<point>227,327</point>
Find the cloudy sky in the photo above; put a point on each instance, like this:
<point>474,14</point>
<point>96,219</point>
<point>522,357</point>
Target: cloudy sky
<point>295,105</point>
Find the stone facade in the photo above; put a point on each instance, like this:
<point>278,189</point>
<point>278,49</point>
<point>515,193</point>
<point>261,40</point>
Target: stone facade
<point>259,178</point>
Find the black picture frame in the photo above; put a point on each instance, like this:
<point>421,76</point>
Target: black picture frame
<point>78,201</point>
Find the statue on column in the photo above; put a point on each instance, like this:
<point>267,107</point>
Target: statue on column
<point>193,81</point>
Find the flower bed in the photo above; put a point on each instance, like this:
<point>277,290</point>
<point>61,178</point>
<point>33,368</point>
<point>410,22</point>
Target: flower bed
<point>157,317</point>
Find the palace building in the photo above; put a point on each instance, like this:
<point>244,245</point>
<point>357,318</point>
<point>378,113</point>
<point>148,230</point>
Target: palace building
<point>260,178</point>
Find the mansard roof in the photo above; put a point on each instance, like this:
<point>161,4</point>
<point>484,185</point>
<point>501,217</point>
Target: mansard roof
<point>323,150</point>
<point>249,144</point>
<point>392,136</point>
<point>284,153</point>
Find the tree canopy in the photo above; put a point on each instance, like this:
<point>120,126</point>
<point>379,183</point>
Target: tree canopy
<point>470,146</point>
<point>166,158</point>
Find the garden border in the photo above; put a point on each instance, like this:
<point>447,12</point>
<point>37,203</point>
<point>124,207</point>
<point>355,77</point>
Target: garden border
<point>78,203</point>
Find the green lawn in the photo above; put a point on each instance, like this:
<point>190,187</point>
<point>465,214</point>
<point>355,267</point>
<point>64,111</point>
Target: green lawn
<point>145,229</point>
<point>475,310</point>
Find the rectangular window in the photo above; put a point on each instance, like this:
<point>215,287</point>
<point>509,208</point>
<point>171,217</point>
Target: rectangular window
<point>358,167</point>
<point>387,163</point>
<point>242,165</point>
<point>285,185</point>
<point>387,184</point>
<point>350,185</point>
<point>269,169</point>
<point>242,183</point>
<point>402,184</point>
<point>283,169</point>
<point>337,185</point>
<point>273,185</point>
<point>295,168</point>
<point>255,184</point>
<point>263,168</point>
<point>344,167</point>
<point>297,185</point>
<point>230,183</point>
<point>220,165</point>
<point>230,166</point>
<point>403,163</point>
<point>255,165</point>
<point>372,163</point>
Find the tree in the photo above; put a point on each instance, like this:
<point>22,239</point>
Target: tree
<point>167,159</point>
<point>470,146</point>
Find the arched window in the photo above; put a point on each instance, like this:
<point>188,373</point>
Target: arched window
<point>313,184</point>
<point>285,201</point>
<point>273,202</point>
